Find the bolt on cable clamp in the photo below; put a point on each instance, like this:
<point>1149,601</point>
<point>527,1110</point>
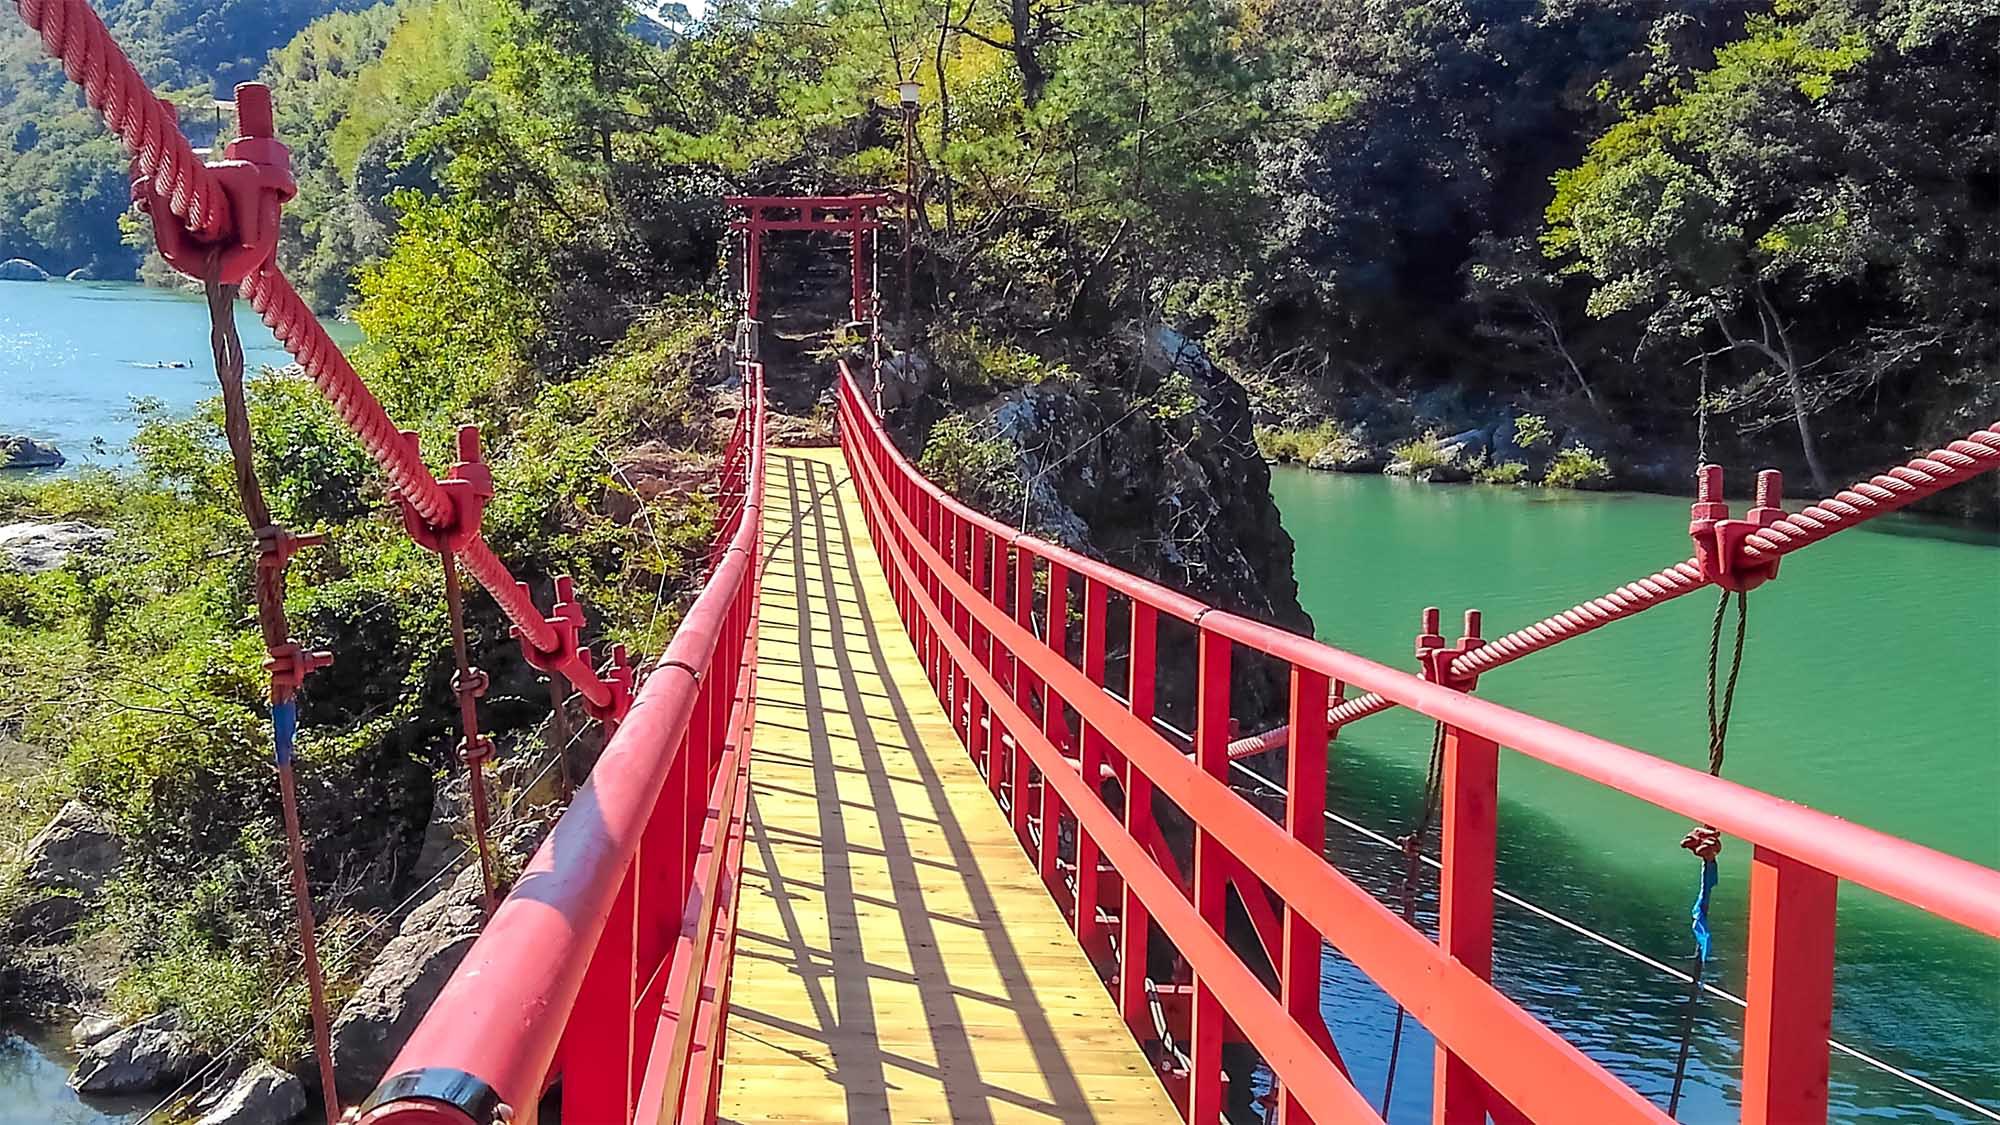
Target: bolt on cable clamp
<point>1435,657</point>
<point>1718,539</point>
<point>468,486</point>
<point>617,674</point>
<point>255,175</point>
<point>289,665</point>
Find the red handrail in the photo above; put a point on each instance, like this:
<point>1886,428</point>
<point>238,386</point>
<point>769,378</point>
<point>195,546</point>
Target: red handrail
<point>966,587</point>
<point>593,966</point>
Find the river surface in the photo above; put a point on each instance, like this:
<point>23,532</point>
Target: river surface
<point>1869,690</point>
<point>74,356</point>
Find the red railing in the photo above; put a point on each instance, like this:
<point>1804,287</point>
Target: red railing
<point>977,598</point>
<point>607,964</point>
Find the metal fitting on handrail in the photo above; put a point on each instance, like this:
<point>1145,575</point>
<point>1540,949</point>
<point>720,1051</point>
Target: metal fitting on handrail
<point>255,176</point>
<point>1719,540</point>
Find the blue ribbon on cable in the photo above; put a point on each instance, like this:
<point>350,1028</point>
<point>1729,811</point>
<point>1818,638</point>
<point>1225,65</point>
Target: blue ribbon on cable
<point>284,729</point>
<point>1700,912</point>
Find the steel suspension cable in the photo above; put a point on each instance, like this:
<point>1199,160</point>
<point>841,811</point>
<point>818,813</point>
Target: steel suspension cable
<point>1413,850</point>
<point>475,749</point>
<point>287,663</point>
<point>1705,842</point>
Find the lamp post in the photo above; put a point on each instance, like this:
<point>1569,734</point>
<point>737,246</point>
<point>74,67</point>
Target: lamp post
<point>910,93</point>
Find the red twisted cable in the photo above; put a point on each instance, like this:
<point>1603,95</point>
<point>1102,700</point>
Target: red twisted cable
<point>272,297</point>
<point>1360,707</point>
<point>73,34</point>
<point>1976,453</point>
<point>280,306</point>
<point>1633,597</point>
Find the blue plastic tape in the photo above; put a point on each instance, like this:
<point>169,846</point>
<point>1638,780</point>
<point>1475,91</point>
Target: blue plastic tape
<point>1700,912</point>
<point>284,729</point>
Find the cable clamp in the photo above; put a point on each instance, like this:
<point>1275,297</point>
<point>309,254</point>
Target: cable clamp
<point>256,177</point>
<point>289,665</point>
<point>617,675</point>
<point>1435,658</point>
<point>468,486</point>
<point>1718,539</point>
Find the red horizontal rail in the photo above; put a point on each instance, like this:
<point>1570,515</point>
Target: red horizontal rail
<point>583,969</point>
<point>954,573</point>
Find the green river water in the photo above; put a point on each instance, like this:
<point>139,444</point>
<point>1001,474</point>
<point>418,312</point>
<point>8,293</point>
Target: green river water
<point>1869,691</point>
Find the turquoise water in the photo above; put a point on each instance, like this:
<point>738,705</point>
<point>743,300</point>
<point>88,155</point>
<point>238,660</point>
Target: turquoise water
<point>34,1075</point>
<point>74,355</point>
<point>1869,691</point>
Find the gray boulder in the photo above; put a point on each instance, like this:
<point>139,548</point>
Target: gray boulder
<point>150,1055</point>
<point>17,452</point>
<point>91,1028</point>
<point>21,269</point>
<point>261,1095</point>
<point>406,976</point>
<point>80,273</point>
<point>39,547</point>
<point>63,869</point>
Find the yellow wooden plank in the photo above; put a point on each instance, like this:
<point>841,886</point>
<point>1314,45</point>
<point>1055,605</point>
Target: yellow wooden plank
<point>898,956</point>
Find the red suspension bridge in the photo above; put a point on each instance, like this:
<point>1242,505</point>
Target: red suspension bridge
<point>883,835</point>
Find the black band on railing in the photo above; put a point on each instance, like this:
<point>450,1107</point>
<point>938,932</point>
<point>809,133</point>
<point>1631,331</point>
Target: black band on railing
<point>464,1092</point>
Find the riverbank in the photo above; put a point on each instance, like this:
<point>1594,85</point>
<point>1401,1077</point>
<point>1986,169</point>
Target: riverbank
<point>1521,448</point>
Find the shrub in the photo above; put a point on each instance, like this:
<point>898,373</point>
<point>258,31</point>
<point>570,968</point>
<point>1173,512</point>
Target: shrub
<point>978,470</point>
<point>1577,467</point>
<point>1532,431</point>
<point>1426,452</point>
<point>1506,472</point>
<point>1302,445</point>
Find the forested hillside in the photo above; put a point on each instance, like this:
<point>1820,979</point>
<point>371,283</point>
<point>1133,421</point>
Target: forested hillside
<point>62,181</point>
<point>1406,217</point>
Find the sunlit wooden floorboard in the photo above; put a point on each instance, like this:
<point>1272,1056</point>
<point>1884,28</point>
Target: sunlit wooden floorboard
<point>898,958</point>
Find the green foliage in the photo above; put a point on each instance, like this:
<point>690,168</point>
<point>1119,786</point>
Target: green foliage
<point>1422,453</point>
<point>1532,431</point>
<point>1502,472</point>
<point>63,183</point>
<point>977,470</point>
<point>974,359</point>
<point>1577,467</point>
<point>1277,443</point>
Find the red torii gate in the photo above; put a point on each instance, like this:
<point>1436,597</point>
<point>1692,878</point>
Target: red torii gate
<point>854,214</point>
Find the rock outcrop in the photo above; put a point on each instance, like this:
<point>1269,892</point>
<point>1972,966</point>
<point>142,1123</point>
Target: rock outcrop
<point>38,547</point>
<point>1154,468</point>
<point>92,1028</point>
<point>17,452</point>
<point>61,872</point>
<point>261,1095</point>
<point>406,976</point>
<point>21,269</point>
<point>150,1055</point>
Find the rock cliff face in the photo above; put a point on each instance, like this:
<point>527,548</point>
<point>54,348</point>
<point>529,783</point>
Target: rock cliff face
<point>1153,468</point>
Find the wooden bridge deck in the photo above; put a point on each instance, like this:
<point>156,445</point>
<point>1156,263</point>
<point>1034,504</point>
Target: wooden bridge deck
<point>898,958</point>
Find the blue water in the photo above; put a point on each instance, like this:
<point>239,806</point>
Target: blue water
<point>74,356</point>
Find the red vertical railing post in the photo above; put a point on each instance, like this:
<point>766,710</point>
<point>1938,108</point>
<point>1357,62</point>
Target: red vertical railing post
<point>1305,819</point>
<point>1465,900</point>
<point>1134,923</point>
<point>1049,856</point>
<point>1211,743</point>
<point>1089,932</point>
<point>1789,990</point>
<point>1024,691</point>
